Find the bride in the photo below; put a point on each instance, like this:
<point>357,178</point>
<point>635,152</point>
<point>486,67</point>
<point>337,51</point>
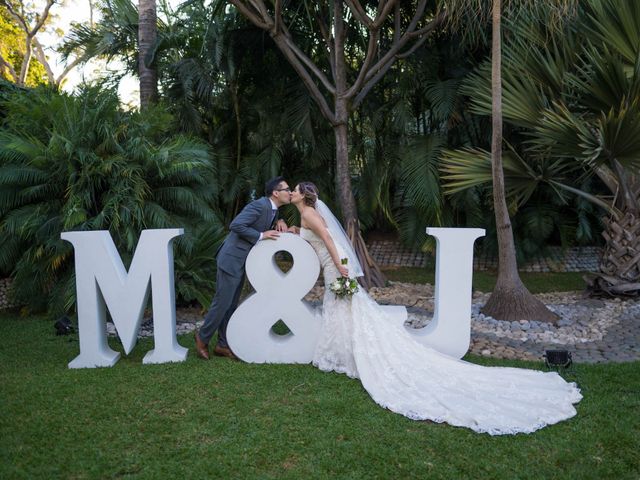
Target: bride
<point>358,339</point>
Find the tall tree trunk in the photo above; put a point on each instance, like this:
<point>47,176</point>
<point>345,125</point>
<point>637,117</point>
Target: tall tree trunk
<point>233,90</point>
<point>373,277</point>
<point>341,126</point>
<point>147,34</point>
<point>26,61</point>
<point>620,264</point>
<point>510,299</point>
<point>343,176</point>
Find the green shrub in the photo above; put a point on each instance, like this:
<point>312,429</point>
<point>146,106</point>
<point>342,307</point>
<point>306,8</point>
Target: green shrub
<point>82,163</point>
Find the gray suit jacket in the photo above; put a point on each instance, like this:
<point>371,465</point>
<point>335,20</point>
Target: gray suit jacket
<point>245,233</point>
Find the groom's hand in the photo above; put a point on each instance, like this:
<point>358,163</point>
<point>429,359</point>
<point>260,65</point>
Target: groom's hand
<point>270,235</point>
<point>281,226</point>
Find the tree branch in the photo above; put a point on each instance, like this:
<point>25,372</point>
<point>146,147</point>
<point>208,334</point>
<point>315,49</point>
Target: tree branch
<point>440,18</point>
<point>399,43</point>
<point>371,82</point>
<point>413,48</point>
<point>605,174</point>
<point>68,68</point>
<point>42,18</point>
<point>261,7</point>
<point>278,14</point>
<point>305,76</point>
<point>292,53</point>
<point>16,16</point>
<point>359,13</point>
<point>422,35</point>
<point>9,67</point>
<point>324,32</point>
<point>340,102</point>
<point>368,59</point>
<point>39,52</point>
<point>251,15</point>
<point>306,60</point>
<point>384,13</point>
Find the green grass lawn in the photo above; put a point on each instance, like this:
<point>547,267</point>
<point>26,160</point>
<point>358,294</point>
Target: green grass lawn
<point>225,419</point>
<point>485,281</point>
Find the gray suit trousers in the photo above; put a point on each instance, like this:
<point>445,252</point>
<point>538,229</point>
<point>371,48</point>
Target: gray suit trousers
<point>225,301</point>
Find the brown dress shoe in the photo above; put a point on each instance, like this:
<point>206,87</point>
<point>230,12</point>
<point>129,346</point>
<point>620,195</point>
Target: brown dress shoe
<point>220,351</point>
<point>202,349</point>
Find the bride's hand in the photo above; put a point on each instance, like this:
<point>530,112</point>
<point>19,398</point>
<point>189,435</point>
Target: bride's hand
<point>281,226</point>
<point>294,229</point>
<point>344,271</point>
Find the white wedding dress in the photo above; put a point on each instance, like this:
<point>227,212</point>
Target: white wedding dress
<point>360,340</point>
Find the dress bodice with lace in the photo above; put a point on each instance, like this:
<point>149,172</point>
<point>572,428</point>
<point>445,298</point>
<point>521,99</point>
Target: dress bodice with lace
<point>334,350</point>
<point>359,339</point>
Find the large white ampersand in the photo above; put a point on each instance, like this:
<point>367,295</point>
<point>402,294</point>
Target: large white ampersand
<point>278,297</point>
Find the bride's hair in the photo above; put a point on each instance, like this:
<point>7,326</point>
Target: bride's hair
<point>310,193</point>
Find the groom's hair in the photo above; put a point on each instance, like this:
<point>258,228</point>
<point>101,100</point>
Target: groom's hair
<point>272,185</point>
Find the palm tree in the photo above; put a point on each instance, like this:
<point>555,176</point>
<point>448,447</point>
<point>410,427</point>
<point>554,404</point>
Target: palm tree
<point>510,299</point>
<point>115,36</point>
<point>601,130</point>
<point>147,36</point>
<point>124,32</point>
<point>574,97</point>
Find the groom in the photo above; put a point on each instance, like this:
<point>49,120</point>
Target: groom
<point>257,221</point>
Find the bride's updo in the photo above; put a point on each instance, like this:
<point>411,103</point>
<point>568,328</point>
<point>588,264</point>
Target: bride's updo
<point>309,192</point>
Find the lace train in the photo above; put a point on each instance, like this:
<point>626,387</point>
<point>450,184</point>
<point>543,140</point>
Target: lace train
<point>360,340</point>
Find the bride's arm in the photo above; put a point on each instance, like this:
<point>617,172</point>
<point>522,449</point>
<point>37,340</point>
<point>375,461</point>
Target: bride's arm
<point>316,225</point>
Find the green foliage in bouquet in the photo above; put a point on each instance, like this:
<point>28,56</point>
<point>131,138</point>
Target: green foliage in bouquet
<point>82,163</point>
<point>343,286</point>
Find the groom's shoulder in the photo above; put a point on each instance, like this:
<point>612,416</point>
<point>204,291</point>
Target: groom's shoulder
<point>258,202</point>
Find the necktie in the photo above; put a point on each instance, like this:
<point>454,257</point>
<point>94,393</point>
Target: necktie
<point>274,212</point>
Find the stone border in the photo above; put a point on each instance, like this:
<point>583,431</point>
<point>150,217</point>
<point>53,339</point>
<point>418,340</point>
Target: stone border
<point>593,330</point>
<point>390,253</point>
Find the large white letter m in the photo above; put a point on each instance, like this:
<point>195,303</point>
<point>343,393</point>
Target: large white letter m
<point>102,281</point>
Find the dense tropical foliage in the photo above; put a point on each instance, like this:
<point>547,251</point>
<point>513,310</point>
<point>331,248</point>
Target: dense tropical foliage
<point>572,101</point>
<point>81,163</point>
<point>232,112</point>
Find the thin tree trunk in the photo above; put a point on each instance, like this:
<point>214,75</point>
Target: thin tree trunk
<point>24,69</point>
<point>147,33</point>
<point>510,299</point>
<point>233,89</point>
<point>373,277</point>
<point>343,176</point>
<point>341,126</point>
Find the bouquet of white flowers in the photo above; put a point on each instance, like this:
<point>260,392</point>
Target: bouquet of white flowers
<point>344,287</point>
